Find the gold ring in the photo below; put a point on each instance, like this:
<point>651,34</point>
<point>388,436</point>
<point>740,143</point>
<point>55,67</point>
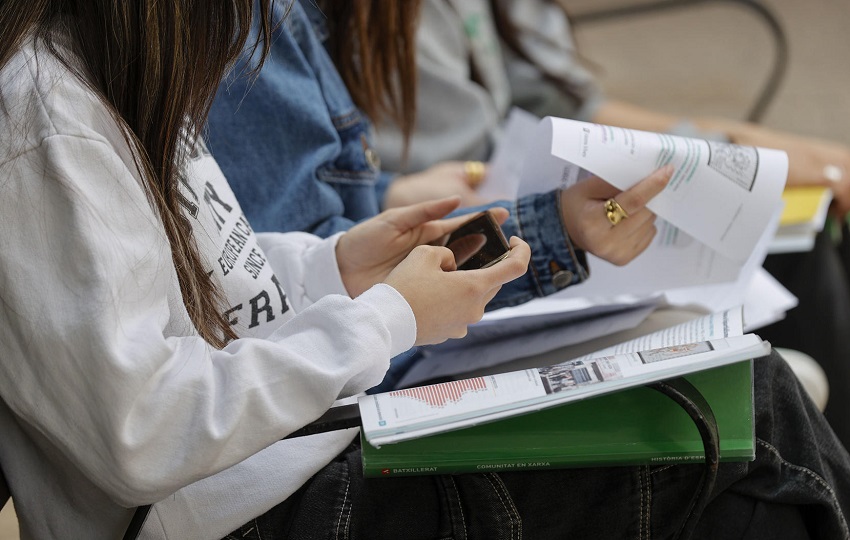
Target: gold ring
<point>614,212</point>
<point>474,171</point>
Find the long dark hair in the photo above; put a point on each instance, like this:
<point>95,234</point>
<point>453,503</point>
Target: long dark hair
<point>373,44</point>
<point>156,65</point>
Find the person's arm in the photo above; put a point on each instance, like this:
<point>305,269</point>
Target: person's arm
<point>444,179</point>
<point>555,262</point>
<point>547,75</point>
<point>278,144</point>
<point>561,225</point>
<point>456,117</point>
<point>93,363</point>
<point>811,161</point>
<point>627,115</point>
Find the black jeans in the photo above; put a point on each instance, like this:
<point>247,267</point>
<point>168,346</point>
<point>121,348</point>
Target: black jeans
<point>820,324</point>
<point>798,487</point>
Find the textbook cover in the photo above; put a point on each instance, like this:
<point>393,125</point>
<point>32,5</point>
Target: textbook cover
<point>638,426</point>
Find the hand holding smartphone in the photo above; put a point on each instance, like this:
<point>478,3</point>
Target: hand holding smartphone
<point>478,243</point>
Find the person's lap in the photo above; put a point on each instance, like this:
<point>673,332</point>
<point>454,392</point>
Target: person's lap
<point>799,484</point>
<point>818,326</point>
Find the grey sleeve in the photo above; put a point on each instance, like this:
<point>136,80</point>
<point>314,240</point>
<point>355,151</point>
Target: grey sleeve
<point>570,89</point>
<point>456,118</point>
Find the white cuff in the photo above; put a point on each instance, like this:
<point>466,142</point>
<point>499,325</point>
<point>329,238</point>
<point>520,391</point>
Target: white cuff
<point>396,313</point>
<point>322,275</point>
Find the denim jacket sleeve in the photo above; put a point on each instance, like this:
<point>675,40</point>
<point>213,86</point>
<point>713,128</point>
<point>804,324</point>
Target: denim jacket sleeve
<point>292,144</point>
<point>555,263</point>
<point>297,153</point>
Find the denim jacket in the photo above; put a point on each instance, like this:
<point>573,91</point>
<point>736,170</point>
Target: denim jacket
<point>298,154</point>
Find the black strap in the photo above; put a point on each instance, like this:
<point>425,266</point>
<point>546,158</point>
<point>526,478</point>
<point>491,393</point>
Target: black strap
<point>4,490</point>
<point>135,527</point>
<point>342,417</point>
<point>690,399</point>
<point>679,390</point>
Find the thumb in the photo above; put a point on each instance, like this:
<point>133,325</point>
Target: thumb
<point>512,266</point>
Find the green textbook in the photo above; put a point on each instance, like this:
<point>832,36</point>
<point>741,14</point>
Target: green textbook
<point>633,426</point>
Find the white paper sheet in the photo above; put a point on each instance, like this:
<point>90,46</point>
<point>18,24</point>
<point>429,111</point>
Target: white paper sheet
<point>557,153</point>
<point>724,324</point>
<point>506,345</point>
<point>723,195</point>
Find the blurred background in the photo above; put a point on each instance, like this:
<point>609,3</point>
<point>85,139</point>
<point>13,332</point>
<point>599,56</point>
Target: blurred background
<point>713,57</point>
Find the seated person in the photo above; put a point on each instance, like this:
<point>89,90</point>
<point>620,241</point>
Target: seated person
<point>323,176</point>
<point>154,349</point>
<point>475,60</point>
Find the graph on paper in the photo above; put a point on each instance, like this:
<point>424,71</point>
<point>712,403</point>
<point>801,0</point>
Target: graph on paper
<point>438,395</point>
<point>456,396</point>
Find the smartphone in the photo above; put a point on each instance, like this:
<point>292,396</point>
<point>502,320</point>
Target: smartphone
<point>478,243</point>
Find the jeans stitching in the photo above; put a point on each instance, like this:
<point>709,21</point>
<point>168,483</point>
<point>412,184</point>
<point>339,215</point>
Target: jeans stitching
<point>642,510</point>
<point>349,510</point>
<point>460,508</point>
<point>818,478</point>
<point>660,469</point>
<point>646,474</point>
<point>342,510</point>
<point>536,280</point>
<point>507,503</point>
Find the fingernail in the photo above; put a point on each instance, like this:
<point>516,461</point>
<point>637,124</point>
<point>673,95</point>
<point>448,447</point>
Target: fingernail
<point>667,170</point>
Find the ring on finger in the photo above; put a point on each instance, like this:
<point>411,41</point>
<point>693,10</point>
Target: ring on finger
<point>614,212</point>
<point>474,171</point>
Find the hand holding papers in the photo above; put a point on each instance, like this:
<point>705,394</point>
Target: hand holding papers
<point>720,208</point>
<point>724,195</point>
<point>717,217</point>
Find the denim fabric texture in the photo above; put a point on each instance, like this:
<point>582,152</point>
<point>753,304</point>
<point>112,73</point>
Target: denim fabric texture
<point>290,141</point>
<point>298,154</point>
<point>797,488</point>
<point>818,325</point>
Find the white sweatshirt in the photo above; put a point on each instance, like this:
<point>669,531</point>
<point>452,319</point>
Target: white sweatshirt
<point>109,398</point>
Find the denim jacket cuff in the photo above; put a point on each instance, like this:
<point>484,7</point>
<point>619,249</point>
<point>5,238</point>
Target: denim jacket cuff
<point>555,262</point>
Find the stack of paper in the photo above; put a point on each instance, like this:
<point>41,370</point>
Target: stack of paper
<point>416,412</point>
<point>635,426</point>
<point>716,221</point>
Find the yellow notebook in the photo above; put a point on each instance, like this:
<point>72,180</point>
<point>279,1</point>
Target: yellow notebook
<point>805,205</point>
<point>802,219</point>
